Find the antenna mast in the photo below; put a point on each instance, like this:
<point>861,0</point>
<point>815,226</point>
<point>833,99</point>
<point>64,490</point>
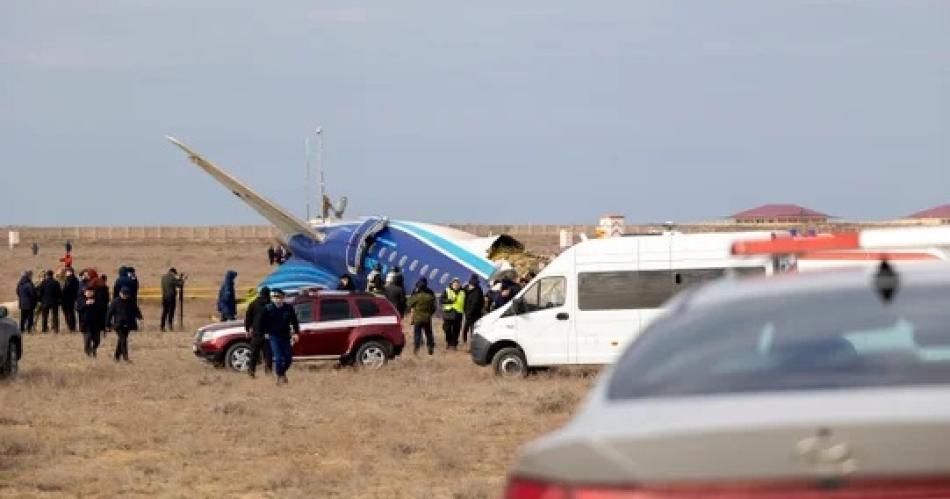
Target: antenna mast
<point>306,151</point>
<point>323,182</point>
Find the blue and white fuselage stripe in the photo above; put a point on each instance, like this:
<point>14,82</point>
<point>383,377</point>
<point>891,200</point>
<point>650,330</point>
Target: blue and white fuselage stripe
<point>419,252</point>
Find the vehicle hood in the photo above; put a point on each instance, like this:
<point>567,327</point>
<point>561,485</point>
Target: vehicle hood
<point>218,326</point>
<point>492,317</point>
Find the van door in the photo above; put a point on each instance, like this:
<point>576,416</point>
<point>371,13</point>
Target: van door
<point>542,321</point>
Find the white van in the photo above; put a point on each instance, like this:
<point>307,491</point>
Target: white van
<point>593,299</point>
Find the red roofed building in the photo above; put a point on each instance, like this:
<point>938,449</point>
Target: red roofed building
<point>780,214</point>
<point>939,214</point>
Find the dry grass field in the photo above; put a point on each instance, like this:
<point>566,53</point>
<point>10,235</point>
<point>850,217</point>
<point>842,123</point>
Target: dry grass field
<point>168,425</point>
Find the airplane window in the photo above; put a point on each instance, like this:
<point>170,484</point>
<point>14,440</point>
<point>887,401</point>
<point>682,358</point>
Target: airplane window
<point>424,269</point>
<point>382,251</point>
<point>392,257</point>
<point>445,278</point>
<point>403,260</point>
<point>432,276</point>
<point>413,266</point>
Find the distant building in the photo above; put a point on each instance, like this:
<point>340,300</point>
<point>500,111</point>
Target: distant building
<point>936,215</point>
<point>780,214</point>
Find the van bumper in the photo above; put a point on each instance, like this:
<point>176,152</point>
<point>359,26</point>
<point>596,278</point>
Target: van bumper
<point>480,348</point>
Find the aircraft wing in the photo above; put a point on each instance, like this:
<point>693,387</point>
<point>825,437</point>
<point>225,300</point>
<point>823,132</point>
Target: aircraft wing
<point>284,221</point>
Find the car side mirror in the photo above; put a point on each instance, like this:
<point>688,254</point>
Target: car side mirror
<point>4,313</point>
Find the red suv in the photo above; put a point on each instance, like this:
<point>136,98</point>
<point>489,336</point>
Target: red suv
<point>352,328</point>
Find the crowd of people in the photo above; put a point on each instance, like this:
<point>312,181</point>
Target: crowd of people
<point>461,306</point>
<point>88,305</point>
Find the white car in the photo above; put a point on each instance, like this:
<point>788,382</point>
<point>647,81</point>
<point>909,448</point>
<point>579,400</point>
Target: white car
<point>832,384</point>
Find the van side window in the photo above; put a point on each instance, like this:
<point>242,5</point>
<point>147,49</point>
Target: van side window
<point>545,293</point>
<point>624,290</point>
<point>683,278</point>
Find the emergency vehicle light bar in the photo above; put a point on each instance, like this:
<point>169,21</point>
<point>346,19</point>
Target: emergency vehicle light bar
<point>871,239</point>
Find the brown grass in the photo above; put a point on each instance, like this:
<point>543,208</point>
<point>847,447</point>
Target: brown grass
<point>171,426</point>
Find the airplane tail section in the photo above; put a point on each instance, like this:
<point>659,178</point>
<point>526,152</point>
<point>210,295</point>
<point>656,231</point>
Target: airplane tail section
<point>288,224</point>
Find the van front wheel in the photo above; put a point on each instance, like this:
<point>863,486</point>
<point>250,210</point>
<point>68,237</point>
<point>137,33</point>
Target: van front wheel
<point>510,363</point>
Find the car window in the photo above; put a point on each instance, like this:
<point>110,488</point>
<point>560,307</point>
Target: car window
<point>334,309</point>
<point>367,307</point>
<point>548,292</point>
<point>304,311</point>
<point>825,340</point>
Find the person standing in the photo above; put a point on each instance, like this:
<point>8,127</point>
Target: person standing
<point>345,283</point>
<point>283,330</point>
<point>271,255</point>
<point>395,295</point>
<point>51,297</point>
<point>35,248</point>
<point>92,312</point>
<point>123,281</point>
<point>252,326</point>
<point>134,286</point>
<point>422,305</point>
<point>70,297</point>
<point>227,298</point>
<point>374,281</point>
<point>123,315</point>
<point>453,306</point>
<point>474,304</point>
<point>26,296</point>
<point>171,286</point>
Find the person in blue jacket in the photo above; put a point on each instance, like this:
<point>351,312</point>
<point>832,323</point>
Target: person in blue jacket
<point>227,299</point>
<point>127,280</point>
<point>282,328</point>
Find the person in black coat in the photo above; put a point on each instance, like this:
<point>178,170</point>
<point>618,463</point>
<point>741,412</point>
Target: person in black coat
<point>474,304</point>
<point>70,298</point>
<point>252,325</point>
<point>92,311</point>
<point>395,294</point>
<point>51,297</point>
<point>26,295</point>
<point>346,283</point>
<point>282,328</point>
<point>123,315</point>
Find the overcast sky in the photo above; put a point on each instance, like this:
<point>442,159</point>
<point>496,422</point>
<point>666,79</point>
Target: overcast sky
<point>539,111</point>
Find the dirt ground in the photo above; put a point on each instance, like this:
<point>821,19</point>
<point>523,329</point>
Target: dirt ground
<point>168,425</point>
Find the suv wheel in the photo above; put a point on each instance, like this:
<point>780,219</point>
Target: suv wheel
<point>372,355</point>
<point>510,363</point>
<point>238,357</point>
<point>11,363</point>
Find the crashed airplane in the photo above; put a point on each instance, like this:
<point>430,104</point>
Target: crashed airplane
<point>322,253</point>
